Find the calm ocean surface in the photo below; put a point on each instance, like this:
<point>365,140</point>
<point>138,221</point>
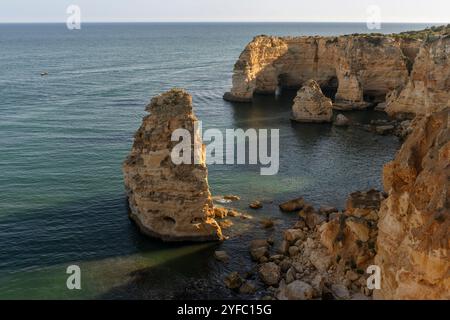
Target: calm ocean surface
<point>63,138</point>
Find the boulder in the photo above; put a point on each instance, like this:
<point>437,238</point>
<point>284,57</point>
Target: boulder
<point>290,275</point>
<point>270,273</point>
<point>313,219</point>
<point>231,197</point>
<point>220,212</point>
<point>225,224</point>
<point>292,235</point>
<point>259,249</point>
<point>256,205</point>
<point>297,290</point>
<point>293,205</point>
<point>320,260</point>
<point>384,130</point>
<point>285,265</point>
<point>341,121</point>
<point>293,251</point>
<point>233,281</point>
<point>248,287</point>
<point>326,210</point>
<point>340,292</point>
<point>284,247</point>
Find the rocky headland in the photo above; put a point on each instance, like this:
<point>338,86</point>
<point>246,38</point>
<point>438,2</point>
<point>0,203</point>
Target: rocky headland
<point>406,73</point>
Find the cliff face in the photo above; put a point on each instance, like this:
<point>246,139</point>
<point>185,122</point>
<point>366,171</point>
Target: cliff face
<point>414,227</point>
<point>355,66</point>
<point>310,105</point>
<point>169,201</point>
<point>428,89</point>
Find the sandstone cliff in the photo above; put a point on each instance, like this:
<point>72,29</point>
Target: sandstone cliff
<point>414,227</point>
<point>169,201</point>
<point>428,89</point>
<point>310,105</point>
<point>354,67</point>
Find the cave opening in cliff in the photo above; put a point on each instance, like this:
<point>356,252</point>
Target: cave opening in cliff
<point>374,96</point>
<point>330,87</point>
<point>283,83</point>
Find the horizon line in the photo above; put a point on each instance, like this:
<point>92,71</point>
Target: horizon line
<point>225,21</point>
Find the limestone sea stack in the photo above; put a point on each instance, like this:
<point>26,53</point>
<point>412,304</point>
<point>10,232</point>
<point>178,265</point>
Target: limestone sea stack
<point>169,201</point>
<point>310,105</point>
<point>413,247</point>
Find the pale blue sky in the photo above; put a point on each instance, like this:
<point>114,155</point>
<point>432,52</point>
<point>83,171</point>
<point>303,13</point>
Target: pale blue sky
<point>225,10</point>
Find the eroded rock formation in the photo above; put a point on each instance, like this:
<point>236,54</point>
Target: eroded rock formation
<point>310,105</point>
<point>414,228</point>
<point>169,201</point>
<point>353,66</point>
<point>428,89</point>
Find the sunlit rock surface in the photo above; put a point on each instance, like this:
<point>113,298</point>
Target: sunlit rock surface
<point>414,227</point>
<point>169,201</point>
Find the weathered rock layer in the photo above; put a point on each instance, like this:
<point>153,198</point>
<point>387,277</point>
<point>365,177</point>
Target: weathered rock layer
<point>414,228</point>
<point>428,89</point>
<point>408,73</point>
<point>310,105</point>
<point>169,201</point>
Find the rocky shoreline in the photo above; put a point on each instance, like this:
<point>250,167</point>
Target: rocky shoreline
<point>326,253</point>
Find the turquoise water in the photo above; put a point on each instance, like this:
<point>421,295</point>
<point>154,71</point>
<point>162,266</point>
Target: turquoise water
<point>64,136</point>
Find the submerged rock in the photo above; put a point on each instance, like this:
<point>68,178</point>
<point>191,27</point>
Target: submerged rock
<point>233,281</point>
<point>293,205</point>
<point>256,205</point>
<point>169,201</point>
<point>221,256</point>
<point>341,121</point>
<point>310,104</point>
<point>259,249</point>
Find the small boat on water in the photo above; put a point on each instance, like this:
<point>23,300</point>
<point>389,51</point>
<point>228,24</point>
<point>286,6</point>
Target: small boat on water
<point>45,73</point>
